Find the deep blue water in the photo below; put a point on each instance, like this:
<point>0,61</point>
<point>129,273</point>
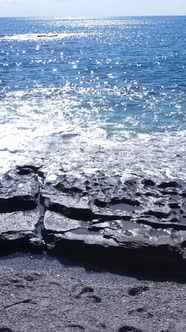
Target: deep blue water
<point>86,94</point>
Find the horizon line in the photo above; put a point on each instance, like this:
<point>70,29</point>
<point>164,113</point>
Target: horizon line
<point>94,17</point>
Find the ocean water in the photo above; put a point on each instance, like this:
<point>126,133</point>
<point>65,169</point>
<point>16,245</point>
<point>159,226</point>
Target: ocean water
<point>88,94</point>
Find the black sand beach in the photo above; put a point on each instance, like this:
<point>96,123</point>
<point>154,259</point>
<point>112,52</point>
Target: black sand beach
<point>39,294</point>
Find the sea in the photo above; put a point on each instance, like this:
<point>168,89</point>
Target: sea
<point>83,95</point>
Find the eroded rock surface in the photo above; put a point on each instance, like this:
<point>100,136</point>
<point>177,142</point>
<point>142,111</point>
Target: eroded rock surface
<point>104,219</point>
<point>135,222</point>
<point>19,190</point>
<point>19,210</point>
<point>18,229</point>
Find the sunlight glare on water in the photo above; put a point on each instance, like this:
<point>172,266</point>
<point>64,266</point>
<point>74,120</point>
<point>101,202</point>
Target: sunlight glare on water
<point>83,95</point>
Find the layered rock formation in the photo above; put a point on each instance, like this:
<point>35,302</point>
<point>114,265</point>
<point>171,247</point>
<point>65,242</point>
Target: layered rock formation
<point>135,223</point>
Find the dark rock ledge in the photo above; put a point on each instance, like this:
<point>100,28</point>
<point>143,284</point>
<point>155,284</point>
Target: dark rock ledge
<point>137,223</point>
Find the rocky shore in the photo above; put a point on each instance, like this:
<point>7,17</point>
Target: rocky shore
<point>136,224</point>
<point>101,225</point>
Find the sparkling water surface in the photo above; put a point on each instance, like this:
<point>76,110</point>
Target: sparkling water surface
<point>88,94</point>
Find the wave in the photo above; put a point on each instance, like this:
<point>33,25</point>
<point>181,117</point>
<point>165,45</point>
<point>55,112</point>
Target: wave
<point>77,150</point>
<point>52,133</point>
<point>43,36</point>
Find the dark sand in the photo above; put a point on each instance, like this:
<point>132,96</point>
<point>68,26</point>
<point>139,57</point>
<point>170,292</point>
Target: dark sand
<point>38,293</point>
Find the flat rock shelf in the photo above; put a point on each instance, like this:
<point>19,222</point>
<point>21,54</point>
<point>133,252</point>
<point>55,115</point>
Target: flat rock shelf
<point>138,224</point>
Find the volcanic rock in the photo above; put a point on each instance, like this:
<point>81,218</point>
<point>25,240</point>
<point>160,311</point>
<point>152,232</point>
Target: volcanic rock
<point>18,192</point>
<point>136,222</point>
<point>104,220</point>
<point>19,212</point>
<point>17,229</point>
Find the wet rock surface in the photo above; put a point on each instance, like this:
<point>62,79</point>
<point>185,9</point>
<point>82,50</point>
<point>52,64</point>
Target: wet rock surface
<point>19,190</point>
<point>18,230</point>
<point>19,210</point>
<point>138,222</point>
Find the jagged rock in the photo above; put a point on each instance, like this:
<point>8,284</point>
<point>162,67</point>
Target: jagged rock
<point>19,211</point>
<point>55,222</point>
<point>68,201</point>
<point>131,223</point>
<point>17,229</point>
<point>117,243</point>
<point>135,222</point>
<point>101,197</point>
<point>19,190</point>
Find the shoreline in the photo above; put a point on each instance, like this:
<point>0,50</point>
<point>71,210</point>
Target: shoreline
<point>87,260</point>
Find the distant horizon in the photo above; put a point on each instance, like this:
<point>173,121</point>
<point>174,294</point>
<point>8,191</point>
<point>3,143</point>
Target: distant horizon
<point>91,17</point>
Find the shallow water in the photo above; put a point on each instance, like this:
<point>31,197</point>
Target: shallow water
<point>81,95</point>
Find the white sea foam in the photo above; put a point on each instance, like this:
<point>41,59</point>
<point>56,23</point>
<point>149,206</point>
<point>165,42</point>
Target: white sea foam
<point>55,132</point>
<point>43,36</point>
